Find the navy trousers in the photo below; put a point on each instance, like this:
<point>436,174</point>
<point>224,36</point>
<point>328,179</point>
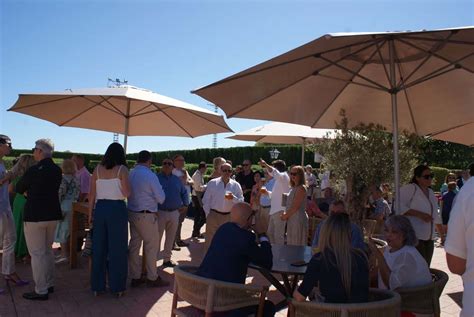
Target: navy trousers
<point>109,246</point>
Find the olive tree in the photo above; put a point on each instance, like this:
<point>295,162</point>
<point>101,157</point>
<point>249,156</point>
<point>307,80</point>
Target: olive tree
<point>362,157</point>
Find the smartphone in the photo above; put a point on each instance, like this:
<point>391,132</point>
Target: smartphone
<point>299,263</point>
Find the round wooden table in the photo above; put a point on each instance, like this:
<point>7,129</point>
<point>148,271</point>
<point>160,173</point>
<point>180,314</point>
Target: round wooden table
<point>283,257</point>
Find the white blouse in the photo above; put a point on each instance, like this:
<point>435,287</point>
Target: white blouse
<point>412,197</point>
<point>408,268</point>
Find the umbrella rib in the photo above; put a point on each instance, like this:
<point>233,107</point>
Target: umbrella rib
<point>43,102</point>
<point>351,82</point>
<point>428,77</point>
<point>439,56</point>
<point>405,91</point>
<point>136,113</point>
<point>354,73</point>
<point>80,113</point>
<point>177,124</point>
<point>430,54</point>
<point>436,40</point>
<point>225,80</point>
<point>342,90</point>
<point>204,118</point>
<point>112,105</point>
<point>296,82</point>
<point>379,53</point>
<point>449,129</point>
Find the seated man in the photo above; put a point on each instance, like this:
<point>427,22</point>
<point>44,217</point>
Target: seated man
<point>233,247</point>
<point>356,232</point>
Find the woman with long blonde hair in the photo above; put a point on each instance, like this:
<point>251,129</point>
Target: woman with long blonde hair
<point>295,215</point>
<point>25,161</point>
<point>341,271</point>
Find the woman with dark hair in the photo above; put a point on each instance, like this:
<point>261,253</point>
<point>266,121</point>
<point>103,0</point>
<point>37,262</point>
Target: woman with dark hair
<point>419,204</point>
<point>341,270</point>
<point>108,213</point>
<point>295,215</point>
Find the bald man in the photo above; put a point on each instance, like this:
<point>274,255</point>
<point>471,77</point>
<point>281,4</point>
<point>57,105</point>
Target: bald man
<point>234,246</point>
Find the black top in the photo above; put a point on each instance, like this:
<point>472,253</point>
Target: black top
<point>231,251</point>
<point>323,270</point>
<point>41,182</point>
<point>246,182</point>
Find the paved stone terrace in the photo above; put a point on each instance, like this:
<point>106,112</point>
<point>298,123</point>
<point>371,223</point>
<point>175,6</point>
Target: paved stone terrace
<point>73,297</point>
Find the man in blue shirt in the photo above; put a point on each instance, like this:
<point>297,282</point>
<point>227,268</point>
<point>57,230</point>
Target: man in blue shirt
<point>234,246</point>
<point>356,233</point>
<point>145,195</point>
<point>177,200</point>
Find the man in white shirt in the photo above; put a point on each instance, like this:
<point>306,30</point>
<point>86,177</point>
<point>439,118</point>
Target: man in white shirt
<point>197,194</point>
<point>179,171</point>
<point>221,194</point>
<point>145,195</point>
<point>276,227</point>
<point>459,245</point>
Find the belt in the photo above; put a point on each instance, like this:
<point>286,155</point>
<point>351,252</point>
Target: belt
<point>168,209</point>
<point>143,212</point>
<point>220,212</point>
<point>266,206</point>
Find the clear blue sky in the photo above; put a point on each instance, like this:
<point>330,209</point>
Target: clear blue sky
<point>171,47</point>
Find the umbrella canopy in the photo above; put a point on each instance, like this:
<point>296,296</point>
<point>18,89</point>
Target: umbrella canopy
<point>126,109</point>
<point>463,134</point>
<point>417,81</point>
<point>282,133</point>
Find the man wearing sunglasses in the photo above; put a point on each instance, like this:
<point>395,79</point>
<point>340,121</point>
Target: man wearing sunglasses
<point>234,246</point>
<point>176,201</point>
<point>221,194</point>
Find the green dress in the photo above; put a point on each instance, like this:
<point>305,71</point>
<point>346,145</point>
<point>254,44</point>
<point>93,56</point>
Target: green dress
<point>19,202</point>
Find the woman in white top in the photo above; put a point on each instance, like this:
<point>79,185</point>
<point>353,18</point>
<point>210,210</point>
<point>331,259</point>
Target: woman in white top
<point>109,188</point>
<point>419,204</point>
<point>400,265</point>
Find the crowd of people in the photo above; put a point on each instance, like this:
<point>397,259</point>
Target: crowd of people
<point>245,213</point>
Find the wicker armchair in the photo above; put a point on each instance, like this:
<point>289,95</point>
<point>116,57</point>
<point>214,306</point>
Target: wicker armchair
<point>207,296</point>
<point>424,299</point>
<point>381,303</point>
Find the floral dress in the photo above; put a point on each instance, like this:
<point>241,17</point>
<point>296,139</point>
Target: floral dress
<point>68,193</point>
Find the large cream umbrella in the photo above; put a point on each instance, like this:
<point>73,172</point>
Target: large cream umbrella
<point>416,81</point>
<point>126,110</point>
<point>283,133</point>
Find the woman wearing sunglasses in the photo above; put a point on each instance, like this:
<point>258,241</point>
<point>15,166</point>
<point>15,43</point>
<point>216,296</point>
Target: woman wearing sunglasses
<point>419,204</point>
<point>295,215</point>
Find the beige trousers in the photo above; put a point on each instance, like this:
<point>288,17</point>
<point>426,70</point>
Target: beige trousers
<point>263,216</point>
<point>167,222</point>
<point>8,239</point>
<point>39,239</point>
<point>143,227</point>
<point>213,222</point>
<point>276,229</point>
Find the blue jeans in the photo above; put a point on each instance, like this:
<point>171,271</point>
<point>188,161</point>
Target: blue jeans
<point>109,246</point>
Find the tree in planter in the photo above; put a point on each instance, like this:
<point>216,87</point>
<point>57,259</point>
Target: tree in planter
<point>363,157</point>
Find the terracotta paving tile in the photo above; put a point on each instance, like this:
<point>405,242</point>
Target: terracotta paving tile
<point>73,297</point>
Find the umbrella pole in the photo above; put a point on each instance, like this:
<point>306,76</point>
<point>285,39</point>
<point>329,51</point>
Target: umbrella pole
<point>393,94</point>
<point>127,119</point>
<point>302,152</point>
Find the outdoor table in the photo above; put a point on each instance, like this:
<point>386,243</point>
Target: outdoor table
<point>283,257</point>
<point>77,208</point>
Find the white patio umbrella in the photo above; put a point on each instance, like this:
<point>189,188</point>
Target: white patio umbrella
<point>282,133</point>
<point>463,134</point>
<point>416,81</point>
<point>126,110</point>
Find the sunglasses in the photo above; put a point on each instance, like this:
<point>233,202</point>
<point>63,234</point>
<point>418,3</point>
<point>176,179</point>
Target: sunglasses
<point>245,164</point>
<point>293,174</point>
<point>7,144</point>
<point>168,163</point>
<point>428,176</point>
<point>34,149</point>
<point>226,171</point>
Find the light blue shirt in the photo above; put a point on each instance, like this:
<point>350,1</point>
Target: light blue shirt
<point>176,194</point>
<point>265,200</point>
<point>146,191</point>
